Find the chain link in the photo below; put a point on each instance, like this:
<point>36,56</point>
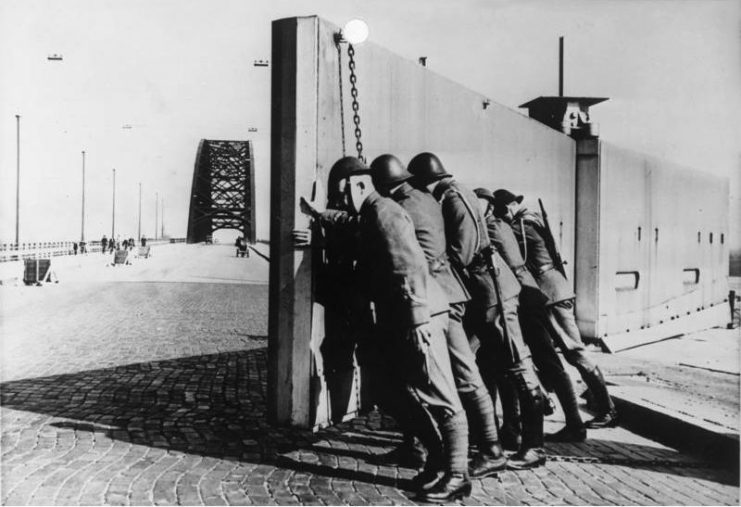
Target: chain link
<point>355,105</point>
<point>342,98</point>
<point>634,462</point>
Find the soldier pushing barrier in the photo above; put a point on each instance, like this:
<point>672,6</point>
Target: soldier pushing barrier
<point>411,313</point>
<point>541,260</point>
<point>492,313</point>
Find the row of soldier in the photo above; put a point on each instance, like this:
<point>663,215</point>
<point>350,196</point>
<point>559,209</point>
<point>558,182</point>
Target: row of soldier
<point>450,296</point>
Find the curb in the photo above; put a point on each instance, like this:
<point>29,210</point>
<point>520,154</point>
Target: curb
<point>674,431</point>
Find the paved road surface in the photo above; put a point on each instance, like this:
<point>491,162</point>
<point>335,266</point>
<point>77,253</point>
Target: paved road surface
<point>145,384</point>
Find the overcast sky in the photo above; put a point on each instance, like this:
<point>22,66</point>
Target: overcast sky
<point>178,71</point>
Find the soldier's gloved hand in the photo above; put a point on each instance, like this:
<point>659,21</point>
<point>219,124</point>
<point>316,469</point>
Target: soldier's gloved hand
<point>301,238</point>
<point>420,337</point>
<point>308,208</point>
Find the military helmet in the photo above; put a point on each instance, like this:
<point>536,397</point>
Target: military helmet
<point>484,193</point>
<point>426,168</point>
<point>503,197</point>
<point>387,171</point>
<point>343,168</point>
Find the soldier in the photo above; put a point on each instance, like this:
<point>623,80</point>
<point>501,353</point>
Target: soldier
<point>498,329</point>
<point>411,317</point>
<point>529,230</point>
<point>103,244</point>
<point>390,179</point>
<point>534,322</point>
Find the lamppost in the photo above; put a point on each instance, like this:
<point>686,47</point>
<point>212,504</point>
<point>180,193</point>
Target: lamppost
<point>162,218</point>
<point>82,227</point>
<point>18,176</point>
<point>113,217</point>
<point>139,226</point>
<point>156,212</point>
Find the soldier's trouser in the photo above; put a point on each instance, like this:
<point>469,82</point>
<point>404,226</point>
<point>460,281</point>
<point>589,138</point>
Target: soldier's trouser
<point>535,324</point>
<point>473,393</point>
<point>512,356</point>
<point>566,335</point>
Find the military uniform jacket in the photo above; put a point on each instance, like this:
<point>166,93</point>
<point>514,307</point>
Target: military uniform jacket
<point>529,230</point>
<point>504,240</point>
<point>391,264</point>
<point>467,237</point>
<point>429,227</point>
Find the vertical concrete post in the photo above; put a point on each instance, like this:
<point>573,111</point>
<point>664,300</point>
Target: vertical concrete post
<point>293,169</point>
<point>587,251</point>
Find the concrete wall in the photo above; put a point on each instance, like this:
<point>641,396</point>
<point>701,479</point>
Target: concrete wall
<point>404,109</point>
<point>661,247</point>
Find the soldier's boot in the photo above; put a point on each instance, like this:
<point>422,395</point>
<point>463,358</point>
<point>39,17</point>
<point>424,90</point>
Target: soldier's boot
<point>455,484</point>
<point>509,432</point>
<point>409,454</point>
<point>480,411</point>
<point>574,431</point>
<point>607,416</point>
<point>432,439</point>
<point>531,453</point>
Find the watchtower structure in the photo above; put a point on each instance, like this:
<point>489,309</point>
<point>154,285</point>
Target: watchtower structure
<point>223,190</point>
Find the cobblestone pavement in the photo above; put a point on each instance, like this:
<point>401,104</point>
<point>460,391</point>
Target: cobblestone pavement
<point>154,393</point>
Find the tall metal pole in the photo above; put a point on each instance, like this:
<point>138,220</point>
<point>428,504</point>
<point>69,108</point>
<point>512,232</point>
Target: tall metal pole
<point>156,212</point>
<point>82,227</point>
<point>18,176</point>
<point>139,227</point>
<point>113,220</point>
<point>560,66</point>
<point>162,218</point>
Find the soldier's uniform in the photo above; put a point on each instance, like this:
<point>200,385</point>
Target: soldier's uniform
<point>467,246</point>
<point>393,267</point>
<point>528,227</point>
<point>534,319</point>
<point>429,228</point>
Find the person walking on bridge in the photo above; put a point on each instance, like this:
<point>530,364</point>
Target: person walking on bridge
<point>103,244</point>
<point>492,313</point>
<point>530,232</point>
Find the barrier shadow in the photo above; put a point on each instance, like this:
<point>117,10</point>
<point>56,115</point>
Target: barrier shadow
<point>215,405</point>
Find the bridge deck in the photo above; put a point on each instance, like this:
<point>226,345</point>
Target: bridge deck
<point>145,384</point>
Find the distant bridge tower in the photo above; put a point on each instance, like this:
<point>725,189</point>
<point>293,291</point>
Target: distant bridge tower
<point>223,191</point>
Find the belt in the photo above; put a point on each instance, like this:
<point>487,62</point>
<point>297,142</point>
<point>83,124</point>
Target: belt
<point>543,268</point>
<point>520,269</point>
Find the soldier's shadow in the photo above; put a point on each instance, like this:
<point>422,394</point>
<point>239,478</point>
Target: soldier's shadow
<point>215,405</point>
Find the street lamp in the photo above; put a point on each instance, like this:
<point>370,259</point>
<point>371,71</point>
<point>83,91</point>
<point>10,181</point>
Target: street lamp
<point>82,227</point>
<point>113,219</point>
<point>18,177</point>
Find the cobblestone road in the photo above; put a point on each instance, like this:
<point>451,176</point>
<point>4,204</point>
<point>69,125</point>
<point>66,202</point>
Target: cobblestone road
<point>148,387</point>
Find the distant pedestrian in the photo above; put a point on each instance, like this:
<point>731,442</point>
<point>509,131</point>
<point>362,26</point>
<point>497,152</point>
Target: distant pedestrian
<point>103,244</point>
<point>144,241</point>
<point>125,244</point>
<point>83,247</point>
<point>74,247</point>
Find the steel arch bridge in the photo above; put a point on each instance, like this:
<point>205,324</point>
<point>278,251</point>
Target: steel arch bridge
<point>223,190</point>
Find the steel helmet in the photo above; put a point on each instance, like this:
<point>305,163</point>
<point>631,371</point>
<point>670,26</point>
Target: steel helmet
<point>426,168</point>
<point>387,171</point>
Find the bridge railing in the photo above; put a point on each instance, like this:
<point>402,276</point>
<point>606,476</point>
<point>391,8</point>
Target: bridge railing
<point>45,250</point>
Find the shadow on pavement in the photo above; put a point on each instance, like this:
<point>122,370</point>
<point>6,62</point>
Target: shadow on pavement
<point>214,405</point>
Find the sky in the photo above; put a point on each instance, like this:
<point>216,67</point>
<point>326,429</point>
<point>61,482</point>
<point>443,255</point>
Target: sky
<point>177,71</point>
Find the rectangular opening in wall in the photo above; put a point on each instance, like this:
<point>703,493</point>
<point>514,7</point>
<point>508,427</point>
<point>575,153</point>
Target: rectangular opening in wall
<point>627,280</point>
<point>691,276</point>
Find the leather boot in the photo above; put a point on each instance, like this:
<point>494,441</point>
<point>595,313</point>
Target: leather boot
<point>488,461</point>
<point>455,484</point>
<point>568,434</point>
<point>564,390</point>
<point>509,433</point>
<point>480,412</point>
<point>606,414</point>
<point>409,454</point>
<point>531,452</point>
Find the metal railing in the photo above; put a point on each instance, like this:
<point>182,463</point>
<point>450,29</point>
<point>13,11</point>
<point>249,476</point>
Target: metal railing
<point>44,250</point>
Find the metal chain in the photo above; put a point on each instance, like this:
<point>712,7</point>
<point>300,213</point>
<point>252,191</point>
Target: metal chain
<point>355,105</point>
<point>342,98</point>
<point>658,462</point>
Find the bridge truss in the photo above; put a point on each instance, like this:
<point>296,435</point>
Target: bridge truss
<point>223,190</point>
